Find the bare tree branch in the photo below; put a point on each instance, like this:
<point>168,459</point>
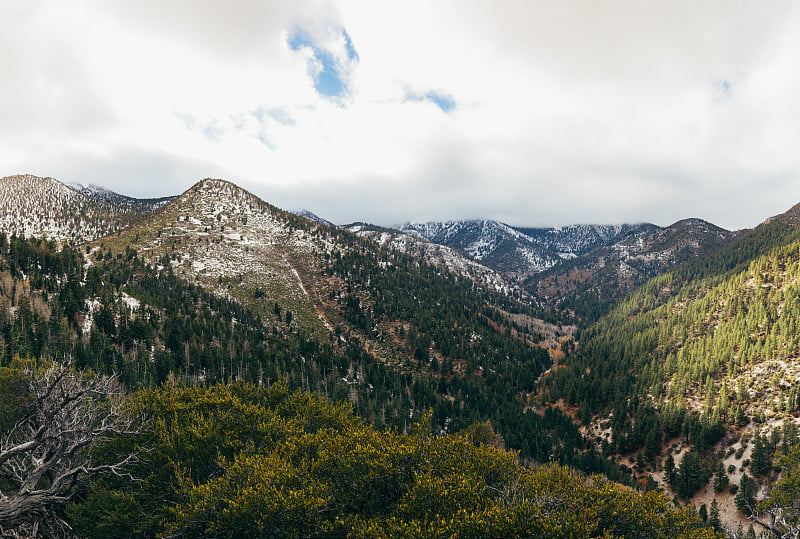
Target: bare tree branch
<point>48,453</point>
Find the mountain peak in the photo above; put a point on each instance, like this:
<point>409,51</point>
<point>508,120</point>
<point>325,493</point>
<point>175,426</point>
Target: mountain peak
<point>311,216</point>
<point>35,206</point>
<point>495,244</point>
<point>140,205</point>
<point>225,196</point>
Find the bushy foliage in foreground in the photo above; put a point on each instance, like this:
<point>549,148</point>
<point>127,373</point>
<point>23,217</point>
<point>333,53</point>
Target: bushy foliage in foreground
<point>239,460</point>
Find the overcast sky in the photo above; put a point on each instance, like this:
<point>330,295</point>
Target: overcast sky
<point>530,112</point>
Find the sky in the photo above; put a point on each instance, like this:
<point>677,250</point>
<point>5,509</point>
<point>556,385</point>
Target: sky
<point>533,113</point>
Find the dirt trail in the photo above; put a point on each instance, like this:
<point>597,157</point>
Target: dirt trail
<point>320,313</point>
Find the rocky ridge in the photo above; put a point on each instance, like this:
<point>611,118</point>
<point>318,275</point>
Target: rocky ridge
<point>44,207</point>
<point>437,255</point>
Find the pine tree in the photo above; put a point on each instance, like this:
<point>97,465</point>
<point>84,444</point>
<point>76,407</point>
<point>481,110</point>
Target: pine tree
<point>690,476</point>
<point>703,512</point>
<point>759,459</point>
<point>745,496</point>
<point>651,443</point>
<point>669,470</point>
<point>639,462</point>
<point>713,516</point>
<point>720,477</point>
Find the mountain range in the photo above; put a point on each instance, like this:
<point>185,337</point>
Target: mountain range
<point>580,270</point>
<point>185,289</point>
<point>577,270</point>
<point>684,361</point>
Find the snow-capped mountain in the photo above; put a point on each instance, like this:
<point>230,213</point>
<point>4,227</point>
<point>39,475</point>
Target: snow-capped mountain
<point>34,206</point>
<point>311,216</point>
<point>494,244</point>
<point>518,250</point>
<point>226,239</point>
<point>216,230</point>
<point>576,267</point>
<point>593,280</point>
<point>144,205</point>
<point>573,240</point>
<point>437,255</point>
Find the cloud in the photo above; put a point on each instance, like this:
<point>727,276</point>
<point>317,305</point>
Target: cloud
<point>130,170</point>
<point>536,113</point>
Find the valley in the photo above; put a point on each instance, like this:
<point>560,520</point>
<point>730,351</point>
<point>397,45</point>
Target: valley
<point>654,356</point>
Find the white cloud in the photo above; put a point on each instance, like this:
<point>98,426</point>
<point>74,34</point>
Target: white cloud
<point>571,111</point>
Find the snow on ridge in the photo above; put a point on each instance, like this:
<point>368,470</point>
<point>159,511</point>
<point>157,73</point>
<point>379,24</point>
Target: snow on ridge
<point>311,216</point>
<point>222,237</point>
<point>34,206</point>
<point>437,255</point>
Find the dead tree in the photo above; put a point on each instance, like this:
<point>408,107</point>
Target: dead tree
<point>778,524</point>
<point>48,454</point>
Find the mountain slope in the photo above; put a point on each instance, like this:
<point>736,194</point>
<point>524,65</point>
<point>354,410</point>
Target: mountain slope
<point>435,254</point>
<point>493,244</point>
<point>697,301</point>
<point>311,216</point>
<point>579,270</point>
<point>590,283</point>
<point>571,241</point>
<point>33,206</point>
<point>141,205</point>
<point>391,320</point>
<point>229,241</point>
<point>705,357</point>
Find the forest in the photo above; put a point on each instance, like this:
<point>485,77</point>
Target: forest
<point>462,375</point>
<point>703,353</point>
<point>174,328</point>
<point>239,460</point>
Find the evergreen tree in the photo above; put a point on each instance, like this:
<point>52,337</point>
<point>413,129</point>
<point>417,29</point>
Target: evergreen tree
<point>720,477</point>
<point>759,459</point>
<point>652,443</point>
<point>703,512</point>
<point>669,470</point>
<point>745,496</point>
<point>690,476</point>
<point>713,516</point>
<point>640,462</point>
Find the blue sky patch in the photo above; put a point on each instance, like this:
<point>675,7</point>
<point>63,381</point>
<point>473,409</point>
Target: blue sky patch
<point>723,91</point>
<point>348,45</point>
<point>445,102</point>
<point>330,68</point>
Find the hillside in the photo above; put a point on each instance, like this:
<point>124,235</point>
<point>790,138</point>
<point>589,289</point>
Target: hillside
<point>406,336</point>
<point>704,358</point>
<point>575,271</point>
<point>33,206</point>
<point>142,205</point>
<point>227,240</point>
<point>574,240</point>
<point>435,254</point>
<point>311,216</point>
<point>697,367</point>
<point>494,244</point>
<point>299,467</point>
<point>594,281</point>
